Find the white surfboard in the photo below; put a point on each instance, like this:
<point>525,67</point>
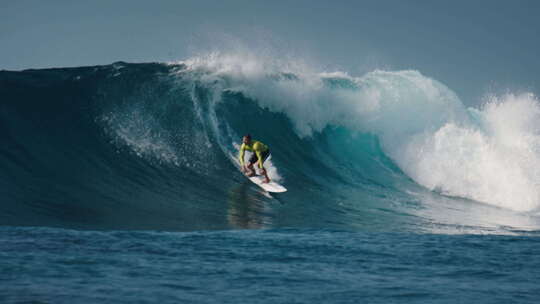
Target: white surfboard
<point>272,186</point>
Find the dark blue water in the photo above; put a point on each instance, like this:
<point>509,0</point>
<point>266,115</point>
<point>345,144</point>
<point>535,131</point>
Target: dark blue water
<point>266,266</point>
<point>118,184</point>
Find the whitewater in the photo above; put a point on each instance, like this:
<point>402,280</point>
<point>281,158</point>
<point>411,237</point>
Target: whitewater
<point>121,176</point>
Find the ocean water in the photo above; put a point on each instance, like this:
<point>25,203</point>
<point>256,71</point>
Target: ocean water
<point>118,184</point>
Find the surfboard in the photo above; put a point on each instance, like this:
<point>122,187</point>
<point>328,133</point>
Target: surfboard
<point>272,186</point>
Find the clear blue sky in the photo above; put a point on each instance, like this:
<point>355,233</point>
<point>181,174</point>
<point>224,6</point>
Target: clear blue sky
<point>474,47</point>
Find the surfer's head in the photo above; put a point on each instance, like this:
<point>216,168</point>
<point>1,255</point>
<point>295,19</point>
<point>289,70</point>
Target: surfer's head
<point>246,139</point>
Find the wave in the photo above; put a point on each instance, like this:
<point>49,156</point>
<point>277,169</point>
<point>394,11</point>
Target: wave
<point>150,146</point>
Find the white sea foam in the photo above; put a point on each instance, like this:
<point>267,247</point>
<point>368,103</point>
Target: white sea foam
<point>497,162</point>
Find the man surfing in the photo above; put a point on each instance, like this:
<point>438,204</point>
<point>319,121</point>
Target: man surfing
<point>260,154</point>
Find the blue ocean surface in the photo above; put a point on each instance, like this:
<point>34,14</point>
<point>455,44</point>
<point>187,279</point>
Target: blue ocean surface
<point>118,184</point>
<point>50,265</point>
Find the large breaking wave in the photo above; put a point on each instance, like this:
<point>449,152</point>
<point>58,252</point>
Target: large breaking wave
<point>149,146</point>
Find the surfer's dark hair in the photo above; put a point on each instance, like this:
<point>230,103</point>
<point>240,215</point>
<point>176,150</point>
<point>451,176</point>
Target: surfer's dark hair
<point>248,136</point>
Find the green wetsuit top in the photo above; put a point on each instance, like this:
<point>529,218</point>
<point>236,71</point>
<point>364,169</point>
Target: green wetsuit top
<point>257,147</point>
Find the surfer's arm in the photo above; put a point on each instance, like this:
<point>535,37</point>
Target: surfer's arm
<point>241,155</point>
<point>259,159</point>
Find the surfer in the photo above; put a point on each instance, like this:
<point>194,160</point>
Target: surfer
<point>260,154</point>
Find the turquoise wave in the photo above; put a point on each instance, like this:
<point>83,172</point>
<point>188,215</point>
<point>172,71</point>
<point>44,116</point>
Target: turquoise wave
<point>150,146</point>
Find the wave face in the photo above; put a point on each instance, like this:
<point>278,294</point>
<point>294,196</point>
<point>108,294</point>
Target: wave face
<point>151,146</point>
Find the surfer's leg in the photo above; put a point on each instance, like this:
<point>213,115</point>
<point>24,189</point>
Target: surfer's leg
<point>265,156</point>
<point>252,160</point>
<point>251,171</point>
<point>266,178</point>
